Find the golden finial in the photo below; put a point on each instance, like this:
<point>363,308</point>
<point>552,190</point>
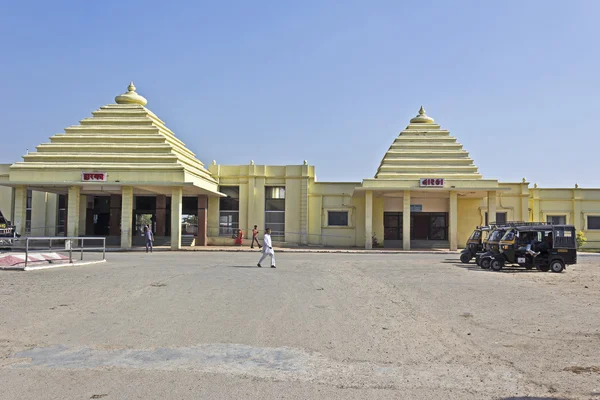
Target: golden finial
<point>422,118</point>
<point>131,97</point>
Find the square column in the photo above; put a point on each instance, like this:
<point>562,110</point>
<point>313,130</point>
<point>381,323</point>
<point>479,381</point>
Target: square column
<point>491,207</point>
<point>202,225</point>
<point>20,209</point>
<point>368,219</point>
<point>126,216</point>
<point>176,210</point>
<point>73,206</point>
<point>82,215</point>
<point>453,221</point>
<point>406,220</point>
<point>161,215</point>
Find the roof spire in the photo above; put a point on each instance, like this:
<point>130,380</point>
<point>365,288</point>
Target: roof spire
<point>131,97</point>
<point>422,118</point>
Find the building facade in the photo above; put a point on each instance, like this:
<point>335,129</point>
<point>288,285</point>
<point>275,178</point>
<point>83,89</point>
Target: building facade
<point>122,169</point>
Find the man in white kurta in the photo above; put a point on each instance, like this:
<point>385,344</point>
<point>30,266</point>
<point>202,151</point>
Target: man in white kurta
<point>267,249</point>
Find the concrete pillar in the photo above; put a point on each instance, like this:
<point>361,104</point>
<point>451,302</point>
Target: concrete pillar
<point>491,206</point>
<point>406,220</point>
<point>368,219</point>
<point>161,215</point>
<point>20,209</point>
<point>577,220</point>
<point>202,220</point>
<point>176,210</point>
<point>453,221</point>
<point>82,214</point>
<point>126,216</point>
<point>115,215</point>
<point>73,206</point>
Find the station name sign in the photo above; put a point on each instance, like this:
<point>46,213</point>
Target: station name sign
<point>93,176</point>
<point>431,182</point>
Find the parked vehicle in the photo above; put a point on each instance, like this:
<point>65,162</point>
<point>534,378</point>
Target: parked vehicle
<point>492,246</point>
<point>8,232</point>
<point>543,246</point>
<point>475,244</point>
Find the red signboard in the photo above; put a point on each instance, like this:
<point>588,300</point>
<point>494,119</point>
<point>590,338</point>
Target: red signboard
<point>93,176</point>
<point>431,182</point>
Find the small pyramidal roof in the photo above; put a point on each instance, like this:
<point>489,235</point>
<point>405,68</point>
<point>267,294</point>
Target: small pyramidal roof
<point>120,138</point>
<point>423,150</point>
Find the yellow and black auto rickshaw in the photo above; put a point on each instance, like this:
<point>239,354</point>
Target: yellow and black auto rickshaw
<point>475,244</point>
<point>492,246</point>
<point>543,246</point>
<point>8,232</point>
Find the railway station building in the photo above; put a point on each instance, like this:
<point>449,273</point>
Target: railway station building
<point>123,168</point>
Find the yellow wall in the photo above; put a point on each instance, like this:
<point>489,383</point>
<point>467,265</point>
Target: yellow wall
<point>468,219</point>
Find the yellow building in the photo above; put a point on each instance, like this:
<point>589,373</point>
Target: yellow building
<point>123,168</point>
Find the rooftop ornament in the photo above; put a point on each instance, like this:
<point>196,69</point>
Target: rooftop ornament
<point>131,97</point>
<point>422,118</point>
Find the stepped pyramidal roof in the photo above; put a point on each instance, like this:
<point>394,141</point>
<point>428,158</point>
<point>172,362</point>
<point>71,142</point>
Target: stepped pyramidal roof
<point>119,138</point>
<point>423,149</point>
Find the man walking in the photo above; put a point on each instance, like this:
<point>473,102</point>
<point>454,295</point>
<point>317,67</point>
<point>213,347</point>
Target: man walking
<point>268,249</point>
<point>255,237</point>
<point>149,238</point>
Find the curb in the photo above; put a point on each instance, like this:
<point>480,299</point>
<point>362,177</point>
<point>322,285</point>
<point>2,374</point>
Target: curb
<point>287,250</point>
<point>79,264</point>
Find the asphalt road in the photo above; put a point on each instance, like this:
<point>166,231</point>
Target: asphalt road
<point>331,326</point>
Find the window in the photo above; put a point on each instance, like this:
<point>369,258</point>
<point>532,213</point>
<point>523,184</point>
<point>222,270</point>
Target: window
<point>500,218</point>
<point>337,218</point>
<point>275,211</point>
<point>229,210</point>
<point>61,215</point>
<point>556,219</point>
<point>28,208</point>
<point>593,222</point>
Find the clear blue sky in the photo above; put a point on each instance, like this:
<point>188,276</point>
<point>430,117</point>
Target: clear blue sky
<point>332,82</point>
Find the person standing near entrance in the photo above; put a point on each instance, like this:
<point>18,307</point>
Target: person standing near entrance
<point>149,238</point>
<point>255,237</point>
<point>268,249</point>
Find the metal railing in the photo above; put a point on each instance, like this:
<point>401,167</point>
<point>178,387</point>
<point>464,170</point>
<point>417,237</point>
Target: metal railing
<point>68,245</point>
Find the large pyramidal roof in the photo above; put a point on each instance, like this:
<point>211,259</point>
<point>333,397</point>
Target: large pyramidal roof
<point>425,150</point>
<point>126,140</point>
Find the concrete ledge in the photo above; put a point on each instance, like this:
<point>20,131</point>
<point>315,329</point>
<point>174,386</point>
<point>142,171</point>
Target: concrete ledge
<point>57,265</point>
<point>237,249</point>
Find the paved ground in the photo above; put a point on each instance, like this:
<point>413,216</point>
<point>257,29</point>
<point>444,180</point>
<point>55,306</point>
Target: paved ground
<point>331,326</point>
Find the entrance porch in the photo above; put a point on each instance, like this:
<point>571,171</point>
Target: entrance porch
<point>424,218</point>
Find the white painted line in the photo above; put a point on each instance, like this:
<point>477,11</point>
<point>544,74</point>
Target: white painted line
<point>63,265</point>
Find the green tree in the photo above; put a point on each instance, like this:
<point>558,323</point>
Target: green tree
<point>581,239</point>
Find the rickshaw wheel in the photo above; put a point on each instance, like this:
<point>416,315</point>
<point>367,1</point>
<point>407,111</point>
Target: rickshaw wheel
<point>496,265</point>
<point>544,268</point>
<point>464,258</point>
<point>485,263</point>
<point>557,266</point>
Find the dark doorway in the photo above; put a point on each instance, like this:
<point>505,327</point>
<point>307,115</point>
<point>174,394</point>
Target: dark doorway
<point>429,226</point>
<point>392,225</point>
<point>101,216</point>
<point>420,227</point>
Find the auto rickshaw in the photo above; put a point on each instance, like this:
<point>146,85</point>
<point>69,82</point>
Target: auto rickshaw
<point>543,246</point>
<point>492,246</point>
<point>8,232</point>
<point>475,244</point>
